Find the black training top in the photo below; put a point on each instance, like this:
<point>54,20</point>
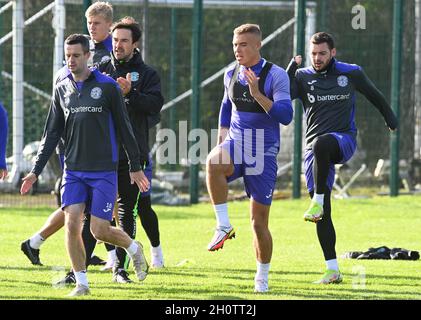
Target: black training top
<point>328,97</point>
<point>144,99</point>
<point>91,120</point>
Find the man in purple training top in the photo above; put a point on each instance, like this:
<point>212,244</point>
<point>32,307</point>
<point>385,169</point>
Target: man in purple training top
<point>256,100</point>
<point>327,92</point>
<point>87,108</point>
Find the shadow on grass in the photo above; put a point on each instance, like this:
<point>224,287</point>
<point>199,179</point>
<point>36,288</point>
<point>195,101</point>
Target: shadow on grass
<point>30,268</point>
<point>395,277</point>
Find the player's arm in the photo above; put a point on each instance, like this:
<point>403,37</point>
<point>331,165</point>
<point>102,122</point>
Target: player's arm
<point>224,117</point>
<point>280,108</point>
<point>253,83</point>
<point>124,127</point>
<point>122,123</point>
<point>129,142</point>
<point>53,130</point>
<point>292,74</point>
<point>364,85</point>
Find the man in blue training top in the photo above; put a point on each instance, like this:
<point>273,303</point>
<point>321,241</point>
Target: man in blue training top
<point>256,100</point>
<point>3,142</point>
<point>327,92</point>
<point>141,89</point>
<point>99,17</point>
<point>87,107</point>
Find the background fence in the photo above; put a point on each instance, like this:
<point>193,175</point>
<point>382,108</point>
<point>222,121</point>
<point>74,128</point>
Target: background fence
<point>168,48</point>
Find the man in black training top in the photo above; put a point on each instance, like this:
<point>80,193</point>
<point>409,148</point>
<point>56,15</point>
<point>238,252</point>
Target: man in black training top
<point>327,92</point>
<point>88,111</point>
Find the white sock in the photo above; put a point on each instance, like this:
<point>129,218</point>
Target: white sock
<point>36,241</point>
<point>156,251</point>
<point>262,270</point>
<point>319,198</point>
<point>131,250</point>
<point>221,213</point>
<point>112,255</point>
<point>81,278</point>
<point>332,264</point>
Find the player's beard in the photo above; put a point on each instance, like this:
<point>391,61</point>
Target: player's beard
<point>324,66</point>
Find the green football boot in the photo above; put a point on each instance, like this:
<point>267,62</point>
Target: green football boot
<point>330,276</point>
<point>314,213</point>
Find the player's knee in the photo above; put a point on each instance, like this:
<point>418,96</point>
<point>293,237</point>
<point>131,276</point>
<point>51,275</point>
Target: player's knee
<point>210,160</point>
<point>259,227</point>
<point>99,231</point>
<point>73,227</point>
<point>218,163</point>
<point>212,164</point>
<point>145,204</point>
<point>320,146</point>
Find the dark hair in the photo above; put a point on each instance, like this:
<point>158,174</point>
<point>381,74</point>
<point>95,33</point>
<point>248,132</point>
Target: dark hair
<point>129,23</point>
<point>78,39</point>
<point>323,37</point>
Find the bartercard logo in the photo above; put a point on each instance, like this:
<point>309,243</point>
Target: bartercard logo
<point>86,109</point>
<point>310,98</point>
<point>328,97</point>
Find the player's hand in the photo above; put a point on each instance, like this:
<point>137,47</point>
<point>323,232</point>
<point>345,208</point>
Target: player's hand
<point>28,181</point>
<point>125,83</point>
<point>298,59</point>
<point>140,179</point>
<point>3,174</point>
<point>253,82</point>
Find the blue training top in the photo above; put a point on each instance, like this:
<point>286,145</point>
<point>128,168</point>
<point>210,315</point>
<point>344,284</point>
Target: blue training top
<point>276,88</point>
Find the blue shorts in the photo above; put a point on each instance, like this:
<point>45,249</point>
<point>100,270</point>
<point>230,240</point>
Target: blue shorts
<point>259,176</point>
<point>98,190</point>
<point>61,159</point>
<point>347,146</point>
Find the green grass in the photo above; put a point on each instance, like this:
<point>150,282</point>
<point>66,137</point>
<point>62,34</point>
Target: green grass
<point>194,273</point>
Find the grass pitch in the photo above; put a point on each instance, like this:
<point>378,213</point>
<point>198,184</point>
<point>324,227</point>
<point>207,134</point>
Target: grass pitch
<point>194,273</point>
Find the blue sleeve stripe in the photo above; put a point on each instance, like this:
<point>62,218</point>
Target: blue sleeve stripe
<point>102,78</point>
<point>346,67</point>
<point>113,139</point>
<point>307,70</point>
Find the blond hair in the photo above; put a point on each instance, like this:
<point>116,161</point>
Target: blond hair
<point>100,8</point>
<point>248,28</point>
